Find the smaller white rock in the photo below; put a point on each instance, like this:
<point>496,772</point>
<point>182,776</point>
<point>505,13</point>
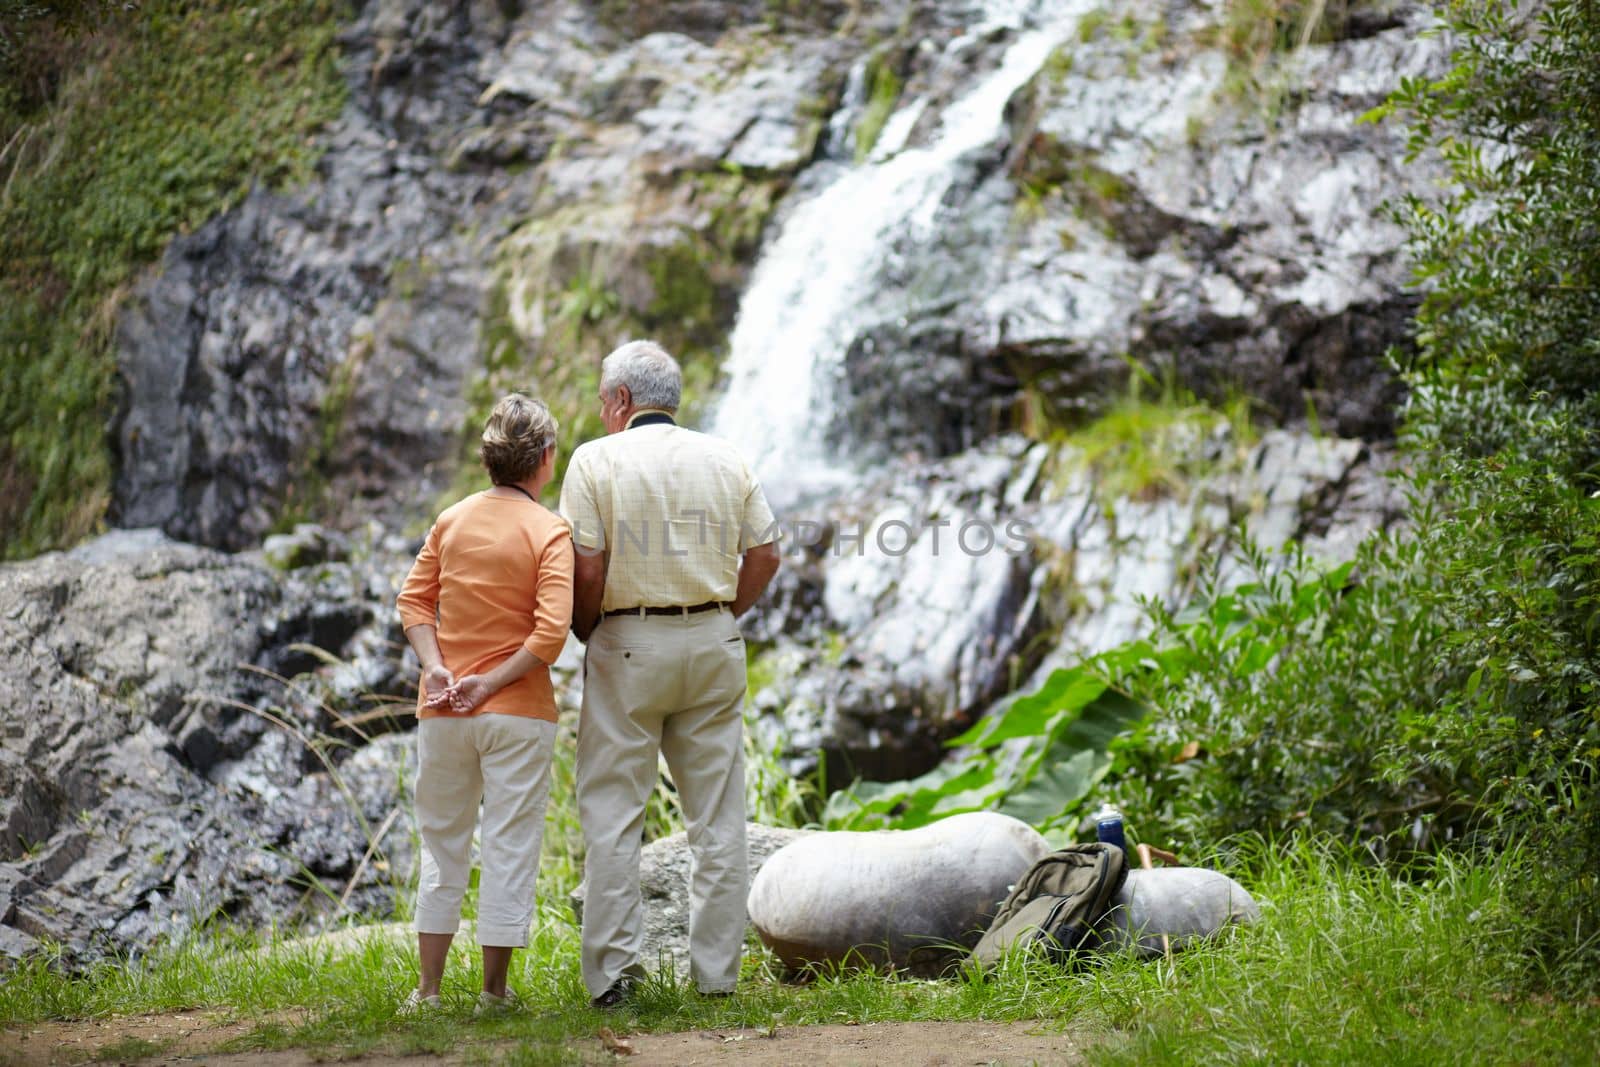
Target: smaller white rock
<point>1188,904</point>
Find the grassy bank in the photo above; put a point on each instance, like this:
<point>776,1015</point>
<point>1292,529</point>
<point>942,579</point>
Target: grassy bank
<point>121,127</point>
<point>1347,966</point>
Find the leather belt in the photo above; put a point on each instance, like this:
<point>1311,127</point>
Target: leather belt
<point>692,609</point>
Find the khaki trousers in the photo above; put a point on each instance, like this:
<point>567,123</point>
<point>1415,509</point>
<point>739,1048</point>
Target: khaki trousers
<point>504,762</point>
<point>673,684</point>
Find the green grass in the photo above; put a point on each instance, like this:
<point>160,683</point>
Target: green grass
<point>1349,965</point>
<point>1149,443</point>
<point>1353,966</point>
<point>1255,35</point>
<point>1052,171</point>
<point>1091,22</point>
<point>162,120</point>
<point>1251,30</point>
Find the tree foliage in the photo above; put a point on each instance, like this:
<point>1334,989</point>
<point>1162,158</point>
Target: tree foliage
<point>1505,424</point>
<point>1453,694</point>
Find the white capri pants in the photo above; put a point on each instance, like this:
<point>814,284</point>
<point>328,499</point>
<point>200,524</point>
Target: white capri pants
<point>502,762</point>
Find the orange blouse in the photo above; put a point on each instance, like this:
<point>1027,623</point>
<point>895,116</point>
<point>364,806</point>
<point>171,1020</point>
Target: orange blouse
<point>495,575</point>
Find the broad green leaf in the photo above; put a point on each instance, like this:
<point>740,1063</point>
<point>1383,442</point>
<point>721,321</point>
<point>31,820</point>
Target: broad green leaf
<point>979,799</point>
<point>841,812</point>
<point>866,804</point>
<point>1175,663</point>
<point>1129,656</point>
<point>1057,788</point>
<point>1108,715</point>
<point>925,804</point>
<point>1065,690</point>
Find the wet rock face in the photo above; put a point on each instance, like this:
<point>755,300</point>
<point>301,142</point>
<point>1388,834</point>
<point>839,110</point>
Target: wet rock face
<point>315,351</point>
<point>916,604</point>
<point>1135,209</point>
<point>707,20</point>
<point>154,775</point>
<point>1111,202</point>
<point>244,360</point>
<point>312,352</point>
<point>1254,248</point>
<point>910,606</point>
<point>317,339</point>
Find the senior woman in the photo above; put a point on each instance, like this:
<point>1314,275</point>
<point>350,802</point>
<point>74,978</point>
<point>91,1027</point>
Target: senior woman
<point>486,607</point>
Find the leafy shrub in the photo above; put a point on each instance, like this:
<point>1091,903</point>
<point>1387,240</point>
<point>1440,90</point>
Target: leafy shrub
<point>1251,710</point>
<point>1506,426</point>
<point>1283,711</point>
<point>1190,729</point>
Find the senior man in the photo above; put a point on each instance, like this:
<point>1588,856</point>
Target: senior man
<point>674,541</point>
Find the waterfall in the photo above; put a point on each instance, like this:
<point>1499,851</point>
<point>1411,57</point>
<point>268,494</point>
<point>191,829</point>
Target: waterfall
<point>811,290</point>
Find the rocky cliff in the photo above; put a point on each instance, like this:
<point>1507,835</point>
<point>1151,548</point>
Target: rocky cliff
<point>909,253</point>
<point>160,768</point>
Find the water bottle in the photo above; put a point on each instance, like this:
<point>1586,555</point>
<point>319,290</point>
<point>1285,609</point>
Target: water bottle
<point>1108,826</point>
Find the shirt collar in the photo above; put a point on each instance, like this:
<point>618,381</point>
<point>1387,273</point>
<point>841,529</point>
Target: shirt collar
<point>650,417</point>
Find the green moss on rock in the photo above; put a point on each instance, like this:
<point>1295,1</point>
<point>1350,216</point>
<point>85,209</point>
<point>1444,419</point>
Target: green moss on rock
<point>883,94</point>
<point>685,305</point>
<point>574,283</point>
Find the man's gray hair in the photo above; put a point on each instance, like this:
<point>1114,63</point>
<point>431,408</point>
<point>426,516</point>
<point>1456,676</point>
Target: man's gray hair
<point>651,375</point>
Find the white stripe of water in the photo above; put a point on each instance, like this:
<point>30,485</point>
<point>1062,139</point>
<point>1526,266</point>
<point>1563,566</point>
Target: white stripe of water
<point>809,293</point>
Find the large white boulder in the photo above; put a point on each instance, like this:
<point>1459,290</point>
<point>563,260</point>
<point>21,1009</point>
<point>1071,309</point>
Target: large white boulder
<point>906,898</point>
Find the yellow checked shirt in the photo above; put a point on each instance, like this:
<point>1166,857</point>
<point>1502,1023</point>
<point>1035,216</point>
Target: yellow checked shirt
<point>674,508</point>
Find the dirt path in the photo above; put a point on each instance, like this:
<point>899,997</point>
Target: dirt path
<point>189,1037</point>
<point>127,1039</point>
<point>936,1044</point>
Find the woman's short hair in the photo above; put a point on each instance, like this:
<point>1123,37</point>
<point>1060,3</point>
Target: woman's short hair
<point>515,438</point>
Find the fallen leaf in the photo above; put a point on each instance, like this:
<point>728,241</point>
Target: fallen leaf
<point>618,1046</point>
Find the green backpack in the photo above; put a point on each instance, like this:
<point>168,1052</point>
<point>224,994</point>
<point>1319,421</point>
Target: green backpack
<point>1056,904</point>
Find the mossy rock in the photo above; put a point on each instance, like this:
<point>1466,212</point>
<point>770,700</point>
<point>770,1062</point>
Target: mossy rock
<point>574,283</point>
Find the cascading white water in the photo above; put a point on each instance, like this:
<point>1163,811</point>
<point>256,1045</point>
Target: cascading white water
<point>810,290</point>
